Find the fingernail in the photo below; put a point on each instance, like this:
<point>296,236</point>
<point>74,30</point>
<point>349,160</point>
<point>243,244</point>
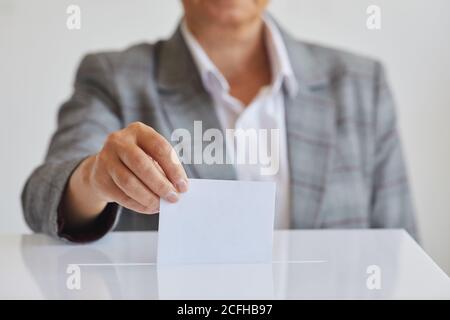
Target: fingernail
<point>182,185</point>
<point>172,196</point>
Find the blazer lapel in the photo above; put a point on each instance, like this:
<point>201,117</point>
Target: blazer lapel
<point>183,101</point>
<point>310,121</point>
<point>310,129</point>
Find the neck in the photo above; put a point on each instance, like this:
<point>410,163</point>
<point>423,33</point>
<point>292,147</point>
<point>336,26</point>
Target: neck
<point>234,49</point>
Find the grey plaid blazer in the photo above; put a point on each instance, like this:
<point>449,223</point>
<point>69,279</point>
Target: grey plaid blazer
<point>346,164</point>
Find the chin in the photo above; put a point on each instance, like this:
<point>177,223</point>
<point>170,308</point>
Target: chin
<point>233,12</point>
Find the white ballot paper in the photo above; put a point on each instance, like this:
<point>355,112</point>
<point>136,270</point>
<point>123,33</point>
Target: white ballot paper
<point>218,221</point>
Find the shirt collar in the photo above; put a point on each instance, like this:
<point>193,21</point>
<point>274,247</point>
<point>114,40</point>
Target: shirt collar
<point>281,67</point>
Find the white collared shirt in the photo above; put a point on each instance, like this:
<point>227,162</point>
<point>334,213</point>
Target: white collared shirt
<point>266,111</point>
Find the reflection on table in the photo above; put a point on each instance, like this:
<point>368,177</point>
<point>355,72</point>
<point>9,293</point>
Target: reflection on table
<point>323,264</point>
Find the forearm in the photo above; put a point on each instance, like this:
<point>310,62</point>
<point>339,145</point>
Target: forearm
<point>42,194</point>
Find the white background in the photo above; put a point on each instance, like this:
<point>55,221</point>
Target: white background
<point>38,58</point>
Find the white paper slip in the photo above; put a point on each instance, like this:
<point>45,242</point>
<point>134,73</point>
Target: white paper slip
<point>218,221</point>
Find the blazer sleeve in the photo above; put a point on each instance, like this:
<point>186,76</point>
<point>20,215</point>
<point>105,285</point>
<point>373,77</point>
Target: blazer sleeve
<point>391,200</point>
<point>84,122</point>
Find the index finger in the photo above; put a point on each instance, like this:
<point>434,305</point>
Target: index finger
<point>156,146</point>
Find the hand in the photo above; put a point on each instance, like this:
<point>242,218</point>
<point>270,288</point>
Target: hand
<point>135,168</point>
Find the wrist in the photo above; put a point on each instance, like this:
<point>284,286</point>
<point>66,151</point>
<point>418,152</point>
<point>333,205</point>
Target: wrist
<point>92,198</point>
<point>81,201</point>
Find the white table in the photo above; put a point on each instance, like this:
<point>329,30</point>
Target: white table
<point>322,264</point>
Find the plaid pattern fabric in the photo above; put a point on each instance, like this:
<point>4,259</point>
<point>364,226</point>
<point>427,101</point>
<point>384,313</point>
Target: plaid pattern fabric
<point>346,164</point>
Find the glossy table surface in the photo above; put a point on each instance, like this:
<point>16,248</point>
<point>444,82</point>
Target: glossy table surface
<point>316,264</point>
